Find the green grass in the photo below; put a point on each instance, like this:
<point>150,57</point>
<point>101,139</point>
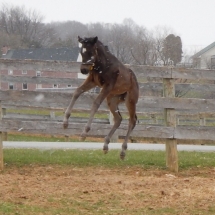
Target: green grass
<point>75,114</point>
<point>57,113</point>
<point>69,207</point>
<point>84,158</point>
<point>40,138</point>
<point>76,207</point>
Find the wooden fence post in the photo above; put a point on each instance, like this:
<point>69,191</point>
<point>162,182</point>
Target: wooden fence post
<point>1,144</point>
<point>178,121</point>
<point>170,121</point>
<point>202,120</point>
<point>4,134</point>
<point>66,137</point>
<point>154,119</point>
<point>52,114</point>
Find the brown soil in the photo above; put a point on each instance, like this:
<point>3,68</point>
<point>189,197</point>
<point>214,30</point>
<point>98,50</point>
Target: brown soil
<point>131,188</point>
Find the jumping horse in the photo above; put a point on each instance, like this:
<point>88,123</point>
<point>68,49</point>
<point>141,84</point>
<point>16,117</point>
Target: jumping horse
<point>117,82</point>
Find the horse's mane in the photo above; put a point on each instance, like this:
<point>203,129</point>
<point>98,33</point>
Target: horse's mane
<point>100,45</point>
<point>104,49</point>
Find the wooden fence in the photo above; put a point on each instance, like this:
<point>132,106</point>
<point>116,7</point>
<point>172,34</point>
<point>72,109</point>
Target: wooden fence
<point>164,111</point>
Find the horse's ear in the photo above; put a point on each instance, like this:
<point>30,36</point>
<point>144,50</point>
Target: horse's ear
<point>80,40</point>
<point>95,40</point>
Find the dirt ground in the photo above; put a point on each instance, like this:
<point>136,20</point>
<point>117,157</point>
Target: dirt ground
<point>118,191</point>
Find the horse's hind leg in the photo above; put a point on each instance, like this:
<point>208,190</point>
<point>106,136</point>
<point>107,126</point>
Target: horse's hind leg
<point>113,106</point>
<point>131,106</point>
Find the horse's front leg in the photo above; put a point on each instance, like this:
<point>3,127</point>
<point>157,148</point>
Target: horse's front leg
<point>96,104</point>
<point>68,111</point>
<point>87,85</point>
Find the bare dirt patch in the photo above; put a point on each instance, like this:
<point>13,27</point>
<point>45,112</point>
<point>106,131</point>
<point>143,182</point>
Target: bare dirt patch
<point>94,190</point>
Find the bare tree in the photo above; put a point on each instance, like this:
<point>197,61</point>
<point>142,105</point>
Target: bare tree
<point>121,38</point>
<point>98,29</point>
<point>159,35</point>
<point>9,40</point>
<point>26,24</point>
<point>66,33</point>
<point>142,47</point>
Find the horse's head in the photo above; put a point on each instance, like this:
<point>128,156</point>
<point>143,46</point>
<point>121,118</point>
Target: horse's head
<point>88,52</point>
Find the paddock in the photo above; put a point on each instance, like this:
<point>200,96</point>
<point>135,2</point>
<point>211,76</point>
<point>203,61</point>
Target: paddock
<point>54,189</point>
<point>157,103</point>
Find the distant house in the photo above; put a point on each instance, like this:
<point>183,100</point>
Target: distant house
<point>205,59</point>
<point>56,54</point>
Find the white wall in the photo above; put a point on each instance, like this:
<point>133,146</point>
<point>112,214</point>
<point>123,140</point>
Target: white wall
<point>206,58</point>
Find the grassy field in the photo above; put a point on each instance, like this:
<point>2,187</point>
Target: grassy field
<point>85,158</point>
<point>54,182</point>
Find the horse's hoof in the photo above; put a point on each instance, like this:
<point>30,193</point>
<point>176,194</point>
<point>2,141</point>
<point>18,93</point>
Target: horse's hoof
<point>105,148</point>
<point>65,125</point>
<point>82,137</point>
<point>105,151</point>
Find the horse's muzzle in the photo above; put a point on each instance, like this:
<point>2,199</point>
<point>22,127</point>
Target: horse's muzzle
<point>84,71</point>
<point>86,67</point>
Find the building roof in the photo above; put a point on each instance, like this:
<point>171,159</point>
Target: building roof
<point>59,54</point>
<point>207,48</point>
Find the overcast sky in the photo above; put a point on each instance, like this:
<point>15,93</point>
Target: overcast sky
<point>192,20</point>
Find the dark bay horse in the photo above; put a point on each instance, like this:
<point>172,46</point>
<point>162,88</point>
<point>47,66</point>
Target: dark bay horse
<point>117,82</point>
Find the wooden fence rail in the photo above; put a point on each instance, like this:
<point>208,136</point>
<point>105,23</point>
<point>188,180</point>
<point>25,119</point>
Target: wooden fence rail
<point>141,71</point>
<point>168,107</point>
<point>145,88</point>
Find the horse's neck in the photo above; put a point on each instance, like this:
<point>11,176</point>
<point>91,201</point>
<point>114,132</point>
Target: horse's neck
<point>104,58</point>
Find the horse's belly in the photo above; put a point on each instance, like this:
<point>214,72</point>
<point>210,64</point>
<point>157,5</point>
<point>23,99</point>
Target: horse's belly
<point>122,85</point>
<point>120,89</point>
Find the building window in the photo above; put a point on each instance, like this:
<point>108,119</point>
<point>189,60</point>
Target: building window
<point>38,73</point>
<point>55,85</point>
<point>39,86</point>
<point>10,72</point>
<point>11,86</point>
<point>24,86</point>
<point>24,72</point>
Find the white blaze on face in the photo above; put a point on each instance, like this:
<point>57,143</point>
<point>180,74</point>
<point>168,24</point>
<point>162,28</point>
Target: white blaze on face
<point>84,50</point>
